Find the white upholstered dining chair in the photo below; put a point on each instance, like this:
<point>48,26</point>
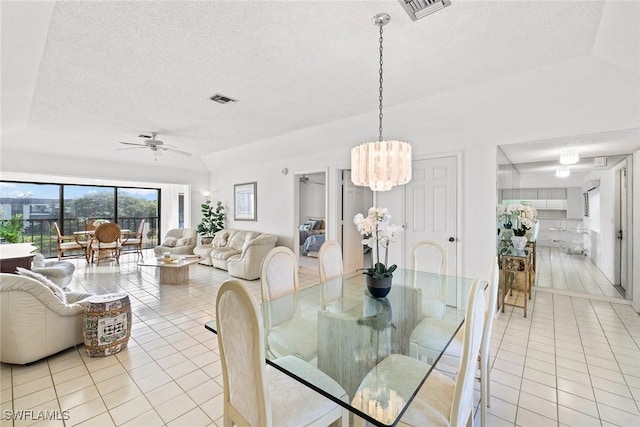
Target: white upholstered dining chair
<point>287,332</point>
<point>260,395</point>
<point>440,401</point>
<point>432,327</point>
<point>330,267</point>
<point>431,257</point>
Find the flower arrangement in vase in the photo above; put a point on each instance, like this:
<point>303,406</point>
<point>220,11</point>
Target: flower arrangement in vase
<point>378,234</point>
<point>525,218</point>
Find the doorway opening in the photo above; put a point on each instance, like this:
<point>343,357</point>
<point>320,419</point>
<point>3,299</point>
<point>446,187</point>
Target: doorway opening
<point>310,217</point>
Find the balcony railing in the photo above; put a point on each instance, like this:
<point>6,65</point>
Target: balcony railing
<point>42,234</point>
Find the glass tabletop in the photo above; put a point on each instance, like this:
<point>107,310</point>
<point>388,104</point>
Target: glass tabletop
<point>341,329</point>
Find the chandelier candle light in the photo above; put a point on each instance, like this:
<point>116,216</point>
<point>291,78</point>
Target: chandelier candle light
<point>382,164</point>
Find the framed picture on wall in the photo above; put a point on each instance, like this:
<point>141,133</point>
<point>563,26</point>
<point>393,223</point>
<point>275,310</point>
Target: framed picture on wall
<point>245,202</point>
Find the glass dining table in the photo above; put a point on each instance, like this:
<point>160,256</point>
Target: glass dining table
<point>355,332</point>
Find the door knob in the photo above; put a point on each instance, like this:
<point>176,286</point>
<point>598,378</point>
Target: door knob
<point>451,239</point>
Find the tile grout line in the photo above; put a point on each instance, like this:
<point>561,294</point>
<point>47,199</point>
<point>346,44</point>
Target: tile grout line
<point>614,357</point>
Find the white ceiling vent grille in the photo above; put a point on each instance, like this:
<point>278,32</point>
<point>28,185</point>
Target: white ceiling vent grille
<point>420,8</point>
<point>221,99</point>
<point>600,162</point>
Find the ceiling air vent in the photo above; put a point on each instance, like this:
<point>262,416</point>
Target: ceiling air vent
<point>420,8</point>
<point>600,162</point>
<point>221,99</point>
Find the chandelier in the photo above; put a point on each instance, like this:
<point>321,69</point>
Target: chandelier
<point>381,164</point>
<point>569,156</point>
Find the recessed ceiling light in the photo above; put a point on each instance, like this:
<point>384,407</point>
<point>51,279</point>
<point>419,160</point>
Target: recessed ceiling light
<point>562,172</point>
<point>222,99</point>
<point>569,156</point>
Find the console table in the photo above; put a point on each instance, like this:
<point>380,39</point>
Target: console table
<point>513,264</point>
<point>14,255</point>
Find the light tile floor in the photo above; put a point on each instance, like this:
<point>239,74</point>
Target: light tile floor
<point>572,361</point>
<point>571,272</point>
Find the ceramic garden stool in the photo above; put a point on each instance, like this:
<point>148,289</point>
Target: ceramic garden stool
<point>107,324</point>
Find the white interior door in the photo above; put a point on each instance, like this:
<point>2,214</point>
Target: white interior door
<point>355,200</point>
<point>431,208</point>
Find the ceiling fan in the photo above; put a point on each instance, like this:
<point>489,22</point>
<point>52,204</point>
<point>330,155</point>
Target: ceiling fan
<point>157,146</point>
<point>304,179</point>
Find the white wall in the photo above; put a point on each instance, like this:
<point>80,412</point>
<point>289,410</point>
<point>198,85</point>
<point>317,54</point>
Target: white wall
<point>558,100</point>
<point>549,180</point>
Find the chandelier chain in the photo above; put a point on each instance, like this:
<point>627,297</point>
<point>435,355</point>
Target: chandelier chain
<point>380,90</point>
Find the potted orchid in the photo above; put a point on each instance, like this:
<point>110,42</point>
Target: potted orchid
<point>378,234</point>
<point>525,218</point>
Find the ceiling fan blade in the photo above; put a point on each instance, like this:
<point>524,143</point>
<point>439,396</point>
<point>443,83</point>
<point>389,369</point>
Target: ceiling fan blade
<point>130,148</point>
<point>133,143</point>
<point>144,136</point>
<point>173,150</point>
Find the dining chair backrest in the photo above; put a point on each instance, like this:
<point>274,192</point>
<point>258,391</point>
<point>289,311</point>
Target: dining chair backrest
<point>58,232</point>
<point>241,342</point>
<point>279,281</point>
<point>491,307</point>
<point>140,229</point>
<point>429,256</point>
<point>107,232</point>
<point>330,267</point>
<point>463,400</point>
<point>330,260</point>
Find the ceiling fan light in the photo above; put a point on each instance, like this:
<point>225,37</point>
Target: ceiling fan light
<point>562,172</point>
<point>569,156</point>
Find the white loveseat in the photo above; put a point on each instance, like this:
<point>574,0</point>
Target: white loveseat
<point>34,322</point>
<point>240,252</point>
<point>178,241</point>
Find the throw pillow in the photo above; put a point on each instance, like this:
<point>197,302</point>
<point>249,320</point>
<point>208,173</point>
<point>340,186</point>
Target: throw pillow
<point>38,261</point>
<point>221,240</point>
<point>170,242</point>
<point>319,225</point>
<point>312,224</point>
<point>184,241</point>
<point>57,291</point>
<point>304,227</point>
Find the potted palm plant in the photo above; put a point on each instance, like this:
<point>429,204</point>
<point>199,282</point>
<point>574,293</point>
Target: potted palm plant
<point>212,221</point>
<point>11,229</point>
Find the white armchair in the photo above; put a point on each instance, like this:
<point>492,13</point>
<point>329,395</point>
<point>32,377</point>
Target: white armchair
<point>35,323</point>
<point>178,241</point>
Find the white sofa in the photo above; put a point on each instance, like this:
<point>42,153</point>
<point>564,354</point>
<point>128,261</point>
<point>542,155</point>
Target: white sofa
<point>240,252</point>
<point>178,241</point>
<point>59,272</point>
<point>35,323</point>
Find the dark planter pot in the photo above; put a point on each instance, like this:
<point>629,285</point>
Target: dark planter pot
<point>378,288</point>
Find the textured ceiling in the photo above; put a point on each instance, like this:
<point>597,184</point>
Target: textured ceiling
<point>111,70</point>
